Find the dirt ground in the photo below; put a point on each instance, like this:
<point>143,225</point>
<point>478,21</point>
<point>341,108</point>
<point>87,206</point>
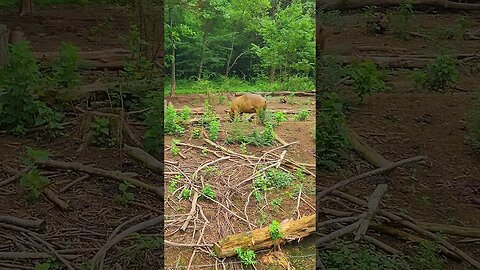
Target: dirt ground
<point>95,212</point>
<point>224,178</point>
<point>405,122</point>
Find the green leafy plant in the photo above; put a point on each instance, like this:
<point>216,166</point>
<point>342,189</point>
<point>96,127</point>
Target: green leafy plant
<point>331,141</point>
<point>302,115</point>
<point>276,203</point>
<point>100,129</point>
<point>243,148</point>
<point>208,114</point>
<point>428,257</point>
<point>49,264</point>
<point>273,178</point>
<point>367,79</point>
<point>439,75</point>
<point>21,84</point>
<point>274,230</point>
<point>174,149</point>
<point>153,137</point>
<point>268,134</point>
<point>347,255</point>
<point>246,256</point>
<point>141,245</point>
<point>125,195</point>
<point>185,113</point>
<point>171,122</point>
<point>214,129</point>
<point>208,192</point>
<point>186,194</point>
<point>401,20</point>
<point>34,182</point>
<point>66,70</point>
<point>279,117</point>
<point>456,30</point>
<point>204,152</point>
<point>196,133</point>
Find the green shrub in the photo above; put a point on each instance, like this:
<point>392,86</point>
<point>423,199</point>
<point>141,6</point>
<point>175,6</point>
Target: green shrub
<point>428,257</point>
<point>302,115</point>
<point>330,133</point>
<point>125,195</point>
<point>401,20</point>
<point>214,129</point>
<point>171,122</point>
<point>439,75</point>
<point>246,256</point>
<point>274,230</point>
<point>367,79</point>
<point>208,192</point>
<point>153,137</point>
<point>100,129</point>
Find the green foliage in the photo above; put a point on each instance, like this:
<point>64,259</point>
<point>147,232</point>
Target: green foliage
<point>238,134</point>
<point>401,20</point>
<point>100,129</point>
<point>370,20</point>
<point>273,178</point>
<point>268,135</point>
<point>185,114</point>
<point>276,203</point>
<point>246,256</point>
<point>208,114</point>
<point>173,183</point>
<point>125,195</point>
<point>171,122</point>
<point>274,230</point>
<point>20,85</point>
<point>174,150</point>
<point>279,117</point>
<point>330,132</point>
<point>35,155</point>
<point>186,194</point>
<point>196,133</point>
<point>66,70</point>
<point>243,148</point>
<point>298,83</point>
<point>456,30</point>
<point>329,74</point>
<point>214,129</point>
<point>288,39</point>
<point>367,79</point>
<point>153,138</point>
<point>439,75</point>
<point>330,17</point>
<point>49,264</point>
<point>302,115</point>
<point>300,174</point>
<point>428,257</point>
<point>208,192</point>
<point>364,257</point>
<point>34,182</point>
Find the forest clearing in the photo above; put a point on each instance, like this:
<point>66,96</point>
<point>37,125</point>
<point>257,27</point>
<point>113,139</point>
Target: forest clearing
<point>406,194</point>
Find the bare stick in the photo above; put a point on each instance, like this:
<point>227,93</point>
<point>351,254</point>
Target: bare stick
<point>15,177</point>
<point>367,174</point>
<point>192,211</point>
<point>338,233</point>
<point>372,208</point>
<point>382,245</point>
<point>115,175</point>
<point>54,198</point>
<point>74,182</point>
<point>145,159</point>
<point>24,223</point>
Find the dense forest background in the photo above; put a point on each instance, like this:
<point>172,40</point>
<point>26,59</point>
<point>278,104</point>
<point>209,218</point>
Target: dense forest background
<point>235,45</point>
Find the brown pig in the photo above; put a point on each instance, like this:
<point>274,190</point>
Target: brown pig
<point>248,103</point>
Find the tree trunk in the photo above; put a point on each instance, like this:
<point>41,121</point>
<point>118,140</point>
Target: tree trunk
<point>3,44</point>
<point>260,238</point>
<point>202,57</point>
<point>272,74</point>
<point>26,8</point>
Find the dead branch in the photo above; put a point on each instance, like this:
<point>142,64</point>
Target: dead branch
<point>450,229</point>
<point>54,198</point>
<point>365,150</point>
<point>15,177</point>
<point>372,208</point>
<point>31,255</point>
<point>192,211</point>
<point>39,224</point>
<point>145,159</point>
<point>338,233</point>
<point>260,238</point>
<point>382,245</point>
<point>115,175</point>
<point>368,174</point>
<point>121,236</point>
<point>74,182</point>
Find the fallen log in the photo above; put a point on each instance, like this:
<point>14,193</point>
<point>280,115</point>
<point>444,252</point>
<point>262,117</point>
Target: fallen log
<point>54,198</point>
<point>401,234</point>
<point>372,208</point>
<point>450,229</point>
<point>368,174</point>
<point>24,223</point>
<point>365,150</point>
<point>354,4</point>
<point>260,238</point>
<point>115,175</point>
<point>112,59</point>
<point>145,159</point>
<point>282,93</point>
